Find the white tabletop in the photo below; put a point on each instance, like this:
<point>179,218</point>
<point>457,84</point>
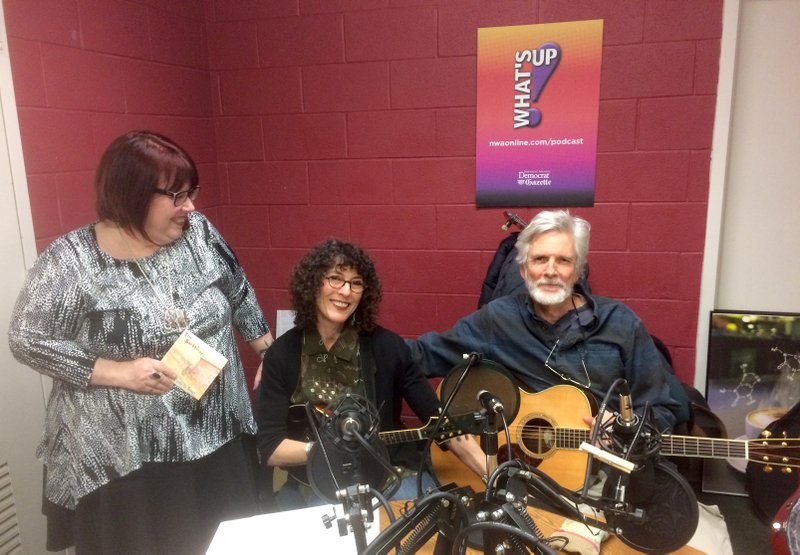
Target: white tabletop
<point>300,531</point>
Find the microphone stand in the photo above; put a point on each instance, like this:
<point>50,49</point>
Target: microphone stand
<point>357,509</point>
<point>441,511</point>
<point>489,440</point>
<point>472,359</point>
<point>501,522</point>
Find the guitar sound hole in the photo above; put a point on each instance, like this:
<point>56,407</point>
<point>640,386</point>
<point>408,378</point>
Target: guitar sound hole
<point>535,440</point>
<point>538,438</point>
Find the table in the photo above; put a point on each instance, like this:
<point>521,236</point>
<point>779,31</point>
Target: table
<point>278,533</point>
<point>547,523</point>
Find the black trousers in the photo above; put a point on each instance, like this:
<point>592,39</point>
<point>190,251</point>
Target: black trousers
<point>165,508</point>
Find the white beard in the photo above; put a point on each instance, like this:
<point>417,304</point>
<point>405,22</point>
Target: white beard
<point>548,299</point>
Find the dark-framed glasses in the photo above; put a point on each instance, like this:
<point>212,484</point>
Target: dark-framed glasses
<point>563,376</point>
<point>356,285</point>
<point>180,197</point>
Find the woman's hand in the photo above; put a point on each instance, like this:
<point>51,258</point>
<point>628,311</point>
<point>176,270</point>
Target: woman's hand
<point>469,452</point>
<point>142,375</point>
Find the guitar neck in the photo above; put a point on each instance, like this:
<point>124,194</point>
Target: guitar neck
<point>454,426</point>
<point>298,428</point>
<point>702,447</point>
<point>394,437</point>
<point>705,447</point>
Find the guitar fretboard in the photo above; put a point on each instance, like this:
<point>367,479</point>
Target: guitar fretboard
<point>401,436</point>
<point>707,448</point>
<point>679,446</point>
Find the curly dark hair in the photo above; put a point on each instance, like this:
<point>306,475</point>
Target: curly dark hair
<point>306,283</point>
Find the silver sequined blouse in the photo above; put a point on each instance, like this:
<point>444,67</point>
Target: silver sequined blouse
<point>79,304</point>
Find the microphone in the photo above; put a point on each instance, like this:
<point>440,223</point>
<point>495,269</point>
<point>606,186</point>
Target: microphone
<point>633,484</point>
<point>352,422</point>
<point>652,508</point>
<point>472,358</point>
<point>349,450</point>
<point>489,443</point>
<point>490,401</point>
<point>627,418</point>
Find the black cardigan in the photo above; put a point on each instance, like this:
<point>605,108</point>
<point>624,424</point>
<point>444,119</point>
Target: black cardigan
<point>397,378</point>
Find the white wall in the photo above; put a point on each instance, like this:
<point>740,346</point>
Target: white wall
<point>752,260</point>
<point>21,389</point>
<point>760,259</point>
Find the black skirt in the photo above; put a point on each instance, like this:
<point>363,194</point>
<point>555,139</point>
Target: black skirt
<point>170,508</point>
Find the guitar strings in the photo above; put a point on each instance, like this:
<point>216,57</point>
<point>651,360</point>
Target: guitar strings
<point>571,438</point>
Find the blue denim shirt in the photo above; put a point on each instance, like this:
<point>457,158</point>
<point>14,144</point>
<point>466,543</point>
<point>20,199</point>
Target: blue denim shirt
<point>611,340</point>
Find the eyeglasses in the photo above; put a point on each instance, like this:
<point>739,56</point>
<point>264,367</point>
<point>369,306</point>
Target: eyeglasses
<point>179,198</point>
<point>356,285</point>
<point>563,376</point>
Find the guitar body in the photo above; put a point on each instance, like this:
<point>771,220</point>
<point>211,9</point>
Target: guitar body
<point>786,527</point>
<point>537,437</point>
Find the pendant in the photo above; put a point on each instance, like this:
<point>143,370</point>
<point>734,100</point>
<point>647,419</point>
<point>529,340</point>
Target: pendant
<point>175,319</point>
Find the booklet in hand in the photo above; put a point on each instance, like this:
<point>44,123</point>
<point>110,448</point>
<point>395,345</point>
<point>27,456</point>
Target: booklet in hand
<point>196,363</point>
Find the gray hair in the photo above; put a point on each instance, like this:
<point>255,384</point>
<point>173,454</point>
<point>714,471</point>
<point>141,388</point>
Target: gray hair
<point>556,220</point>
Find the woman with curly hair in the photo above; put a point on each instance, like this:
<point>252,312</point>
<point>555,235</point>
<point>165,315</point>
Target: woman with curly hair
<point>335,348</point>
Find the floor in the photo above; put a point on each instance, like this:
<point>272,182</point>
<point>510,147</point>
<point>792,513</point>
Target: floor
<point>749,535</point>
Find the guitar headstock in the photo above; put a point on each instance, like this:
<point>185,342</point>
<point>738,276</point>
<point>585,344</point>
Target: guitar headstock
<point>513,219</point>
<point>775,452</point>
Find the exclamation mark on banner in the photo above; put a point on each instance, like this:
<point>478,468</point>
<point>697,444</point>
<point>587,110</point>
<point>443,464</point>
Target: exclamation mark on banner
<point>545,60</point>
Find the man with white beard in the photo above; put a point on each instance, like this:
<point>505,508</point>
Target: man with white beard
<point>558,333</point>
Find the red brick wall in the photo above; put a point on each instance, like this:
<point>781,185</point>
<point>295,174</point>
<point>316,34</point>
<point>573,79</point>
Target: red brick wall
<point>356,119</point>
<point>86,71</point>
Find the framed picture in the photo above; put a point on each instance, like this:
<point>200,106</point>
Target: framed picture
<point>753,378</point>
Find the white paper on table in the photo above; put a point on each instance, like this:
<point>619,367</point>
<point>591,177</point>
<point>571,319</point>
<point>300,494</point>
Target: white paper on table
<point>299,531</point>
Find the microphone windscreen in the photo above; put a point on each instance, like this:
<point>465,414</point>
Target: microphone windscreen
<point>485,375</point>
<point>339,459</point>
<point>670,511</point>
<point>345,467</point>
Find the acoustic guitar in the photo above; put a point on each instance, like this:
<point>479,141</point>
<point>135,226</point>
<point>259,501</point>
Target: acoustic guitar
<point>299,429</point>
<point>549,429</point>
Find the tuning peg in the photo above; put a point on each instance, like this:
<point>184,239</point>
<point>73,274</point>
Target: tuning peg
<point>767,468</point>
<point>786,470</point>
<point>766,434</point>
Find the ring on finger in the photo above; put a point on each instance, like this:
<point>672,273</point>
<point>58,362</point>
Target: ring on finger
<point>156,375</point>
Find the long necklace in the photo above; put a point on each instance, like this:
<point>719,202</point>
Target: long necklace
<point>175,318</point>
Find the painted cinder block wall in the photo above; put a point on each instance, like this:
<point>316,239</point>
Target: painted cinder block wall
<point>356,119</point>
